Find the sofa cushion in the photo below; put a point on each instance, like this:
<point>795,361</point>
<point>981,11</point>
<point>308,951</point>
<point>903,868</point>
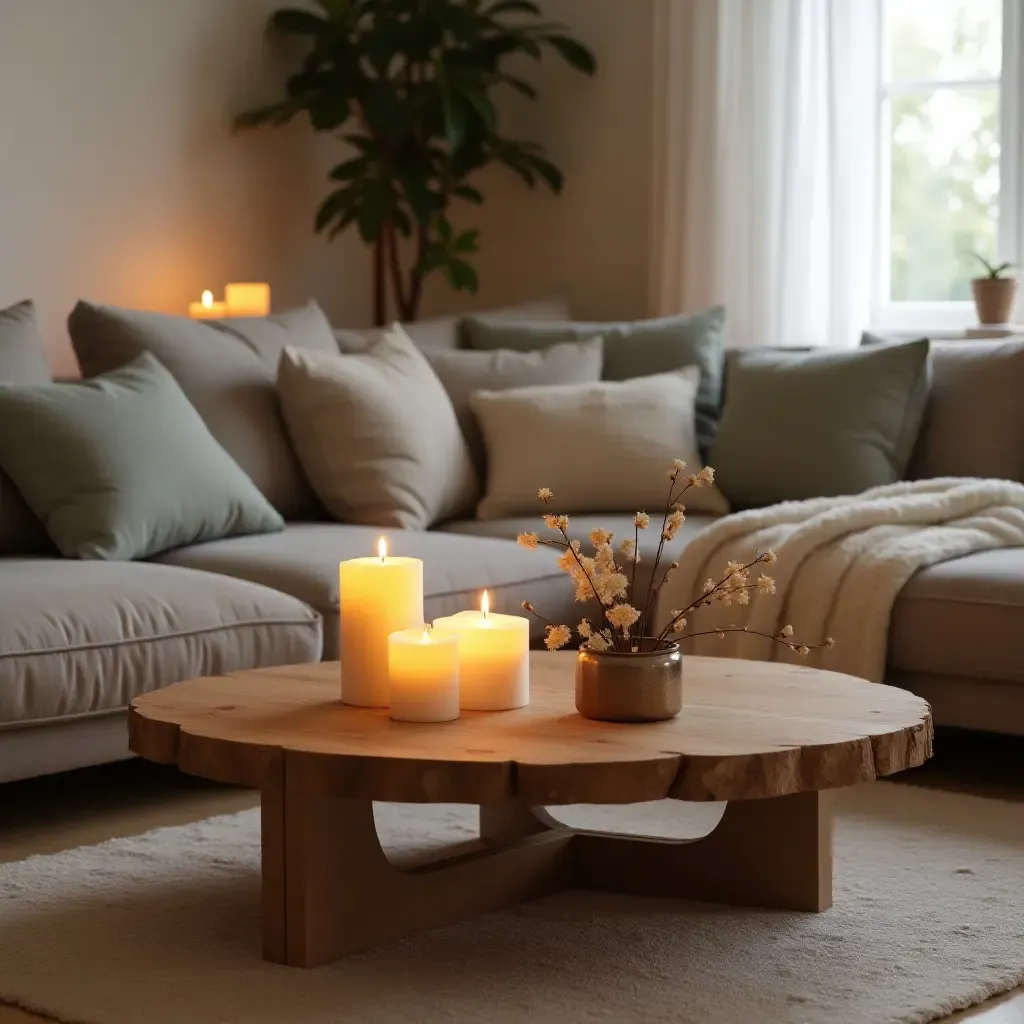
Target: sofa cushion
<point>558,603</point>
<point>228,371</point>
<point>441,333</point>
<point>81,638</point>
<point>303,561</point>
<point>377,434</point>
<point>120,466</point>
<point>22,361</point>
<point>964,618</point>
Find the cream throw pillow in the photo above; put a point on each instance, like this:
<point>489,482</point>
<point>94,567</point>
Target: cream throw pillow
<point>376,434</point>
<point>604,447</point>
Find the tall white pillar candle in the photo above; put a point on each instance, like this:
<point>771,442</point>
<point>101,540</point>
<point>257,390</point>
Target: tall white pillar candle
<point>423,672</point>
<point>379,596</point>
<point>494,658</point>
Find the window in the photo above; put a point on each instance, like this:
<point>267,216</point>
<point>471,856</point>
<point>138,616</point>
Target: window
<point>941,131</point>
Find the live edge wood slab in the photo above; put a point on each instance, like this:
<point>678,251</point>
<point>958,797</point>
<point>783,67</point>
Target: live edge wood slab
<point>767,738</point>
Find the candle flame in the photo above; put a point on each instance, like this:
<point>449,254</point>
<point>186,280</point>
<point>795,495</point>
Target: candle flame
<point>207,300</point>
<point>382,548</point>
<point>485,604</point>
<point>426,634</point>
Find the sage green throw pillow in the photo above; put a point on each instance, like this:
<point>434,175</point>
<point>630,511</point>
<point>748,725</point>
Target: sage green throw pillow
<point>121,466</point>
<point>815,424</point>
<point>639,349</point>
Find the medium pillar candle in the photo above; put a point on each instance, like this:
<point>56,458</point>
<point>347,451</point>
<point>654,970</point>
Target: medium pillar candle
<point>423,674</point>
<point>494,658</point>
<point>378,596</point>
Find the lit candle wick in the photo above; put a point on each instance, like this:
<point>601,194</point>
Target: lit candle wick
<point>485,605</point>
<point>426,635</point>
<point>382,549</point>
<point>207,299</point>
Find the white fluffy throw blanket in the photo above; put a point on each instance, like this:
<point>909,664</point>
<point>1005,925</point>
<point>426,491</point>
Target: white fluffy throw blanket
<point>841,565</point>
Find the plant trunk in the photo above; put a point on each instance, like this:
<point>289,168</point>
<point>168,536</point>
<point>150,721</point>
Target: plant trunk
<point>380,298</point>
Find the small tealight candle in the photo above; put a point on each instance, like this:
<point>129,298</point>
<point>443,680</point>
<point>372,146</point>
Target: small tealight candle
<point>378,596</point>
<point>494,658</point>
<point>423,671</point>
<point>207,309</point>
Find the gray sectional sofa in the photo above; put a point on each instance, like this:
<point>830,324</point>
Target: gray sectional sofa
<point>78,639</point>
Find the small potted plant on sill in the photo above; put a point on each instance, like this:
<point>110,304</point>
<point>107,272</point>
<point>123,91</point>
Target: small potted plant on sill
<point>995,293</point>
<point>630,669</point>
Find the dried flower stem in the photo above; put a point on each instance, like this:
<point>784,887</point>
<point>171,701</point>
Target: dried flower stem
<point>575,554</point>
<point>792,645</point>
<point>644,619</point>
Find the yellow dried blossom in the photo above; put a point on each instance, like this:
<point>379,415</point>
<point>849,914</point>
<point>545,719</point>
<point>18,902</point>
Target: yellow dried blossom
<point>551,521</point>
<point>598,642</point>
<point>787,631</point>
<point>545,494</point>
<point>733,567</point>
<point>557,637</point>
<point>567,561</point>
<point>673,524</point>
<point>528,541</point>
<point>622,616</point>
<point>769,557</point>
<point>599,537</point>
<point>562,522</point>
<point>585,630</point>
<point>829,642</point>
<point>605,559</point>
<point>765,584</point>
<point>803,650</point>
<point>628,548</point>
<point>641,520</point>
<point>705,478</point>
<point>709,585</point>
<point>678,465</point>
<point>611,586</point>
<point>678,624</point>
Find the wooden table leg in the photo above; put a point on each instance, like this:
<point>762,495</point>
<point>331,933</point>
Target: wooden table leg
<point>340,894</point>
<point>773,853</point>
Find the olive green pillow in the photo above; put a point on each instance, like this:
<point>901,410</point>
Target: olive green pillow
<point>121,466</point>
<point>642,348</point>
<point>815,424</point>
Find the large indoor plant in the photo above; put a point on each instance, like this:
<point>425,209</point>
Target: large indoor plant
<point>412,87</point>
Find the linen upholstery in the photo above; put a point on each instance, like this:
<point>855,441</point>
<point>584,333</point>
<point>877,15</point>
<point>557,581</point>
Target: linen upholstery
<point>303,561</point>
<point>83,638</point>
<point>22,361</point>
<point>639,349</point>
<point>463,372</point>
<point>802,425</point>
<point>228,371</point>
<point>598,446</point>
<point>443,333</point>
<point>377,435</point>
<point>121,466</point>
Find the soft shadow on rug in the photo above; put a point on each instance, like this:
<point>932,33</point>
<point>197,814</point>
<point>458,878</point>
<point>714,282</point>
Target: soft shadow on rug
<point>164,928</point>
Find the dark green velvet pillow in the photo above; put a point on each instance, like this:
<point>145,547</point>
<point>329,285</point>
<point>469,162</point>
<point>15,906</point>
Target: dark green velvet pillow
<point>642,348</point>
<point>813,424</point>
<point>121,466</point>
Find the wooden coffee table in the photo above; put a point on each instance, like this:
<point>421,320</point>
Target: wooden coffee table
<point>766,738</point>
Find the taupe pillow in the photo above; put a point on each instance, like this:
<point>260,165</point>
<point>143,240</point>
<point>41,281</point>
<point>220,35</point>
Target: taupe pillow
<point>463,372</point>
<point>377,434</point>
<point>815,424</point>
<point>637,349</point>
<point>121,466</point>
<point>604,447</point>
<point>227,369</point>
<point>22,361</point>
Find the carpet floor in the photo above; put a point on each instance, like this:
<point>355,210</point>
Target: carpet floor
<point>164,927</point>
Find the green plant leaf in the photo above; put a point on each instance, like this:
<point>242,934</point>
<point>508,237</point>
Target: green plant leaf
<point>467,241</point>
<point>298,22</point>
<point>273,113</point>
<point>520,86</point>
<point>547,170</point>
<point>574,53</point>
<point>478,100</point>
<point>470,194</point>
<point>350,169</point>
<point>338,203</point>
<point>513,6</point>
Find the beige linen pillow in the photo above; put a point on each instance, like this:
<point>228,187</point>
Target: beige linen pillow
<point>604,447</point>
<point>376,434</point>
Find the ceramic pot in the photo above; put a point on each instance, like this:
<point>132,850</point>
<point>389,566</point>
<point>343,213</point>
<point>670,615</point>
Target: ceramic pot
<point>994,298</point>
<point>619,687</point>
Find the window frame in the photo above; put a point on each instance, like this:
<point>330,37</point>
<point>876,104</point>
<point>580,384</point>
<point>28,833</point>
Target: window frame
<point>889,315</point>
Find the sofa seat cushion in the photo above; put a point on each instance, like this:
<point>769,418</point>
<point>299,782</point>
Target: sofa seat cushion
<point>558,604</point>
<point>303,561</point>
<point>82,638</point>
<point>964,617</point>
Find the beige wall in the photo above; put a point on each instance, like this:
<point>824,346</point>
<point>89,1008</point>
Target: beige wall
<point>120,179</point>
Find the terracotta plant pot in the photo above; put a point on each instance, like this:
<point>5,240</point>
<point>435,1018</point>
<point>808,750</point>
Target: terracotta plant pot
<point>617,687</point>
<point>994,298</point>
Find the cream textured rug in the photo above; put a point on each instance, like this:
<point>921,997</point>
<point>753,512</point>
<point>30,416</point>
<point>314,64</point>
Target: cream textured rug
<point>164,928</point>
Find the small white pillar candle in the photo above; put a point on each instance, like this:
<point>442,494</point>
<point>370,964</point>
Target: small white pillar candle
<point>247,298</point>
<point>423,668</point>
<point>207,309</point>
<point>378,596</point>
<point>494,658</point>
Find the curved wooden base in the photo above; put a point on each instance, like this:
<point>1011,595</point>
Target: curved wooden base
<point>329,890</point>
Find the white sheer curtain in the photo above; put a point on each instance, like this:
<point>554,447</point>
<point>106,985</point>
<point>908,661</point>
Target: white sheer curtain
<point>765,169</point>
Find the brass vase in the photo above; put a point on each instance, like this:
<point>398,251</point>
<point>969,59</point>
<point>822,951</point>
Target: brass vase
<point>613,686</point>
